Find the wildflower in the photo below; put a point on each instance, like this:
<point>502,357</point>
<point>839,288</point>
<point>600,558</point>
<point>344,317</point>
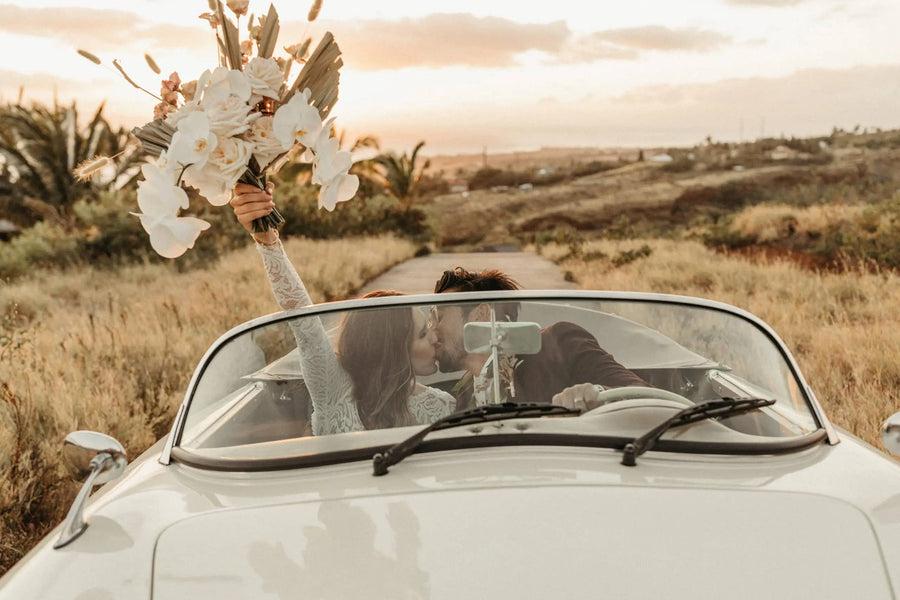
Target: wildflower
<point>91,167</point>
<point>211,18</point>
<point>238,7</point>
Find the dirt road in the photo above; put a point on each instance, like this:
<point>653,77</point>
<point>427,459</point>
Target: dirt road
<point>418,275</point>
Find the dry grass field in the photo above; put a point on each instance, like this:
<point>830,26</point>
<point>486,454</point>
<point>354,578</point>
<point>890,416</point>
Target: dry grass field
<point>112,351</point>
<point>842,327</point>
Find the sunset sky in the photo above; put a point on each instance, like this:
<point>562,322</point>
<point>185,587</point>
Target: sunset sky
<point>490,73</point>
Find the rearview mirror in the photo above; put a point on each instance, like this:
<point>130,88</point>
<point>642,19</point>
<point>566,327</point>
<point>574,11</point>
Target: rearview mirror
<point>512,338</point>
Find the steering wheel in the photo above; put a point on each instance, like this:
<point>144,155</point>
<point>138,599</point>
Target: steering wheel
<point>623,393</point>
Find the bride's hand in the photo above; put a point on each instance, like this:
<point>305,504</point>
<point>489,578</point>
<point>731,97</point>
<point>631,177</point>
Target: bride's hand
<point>251,203</point>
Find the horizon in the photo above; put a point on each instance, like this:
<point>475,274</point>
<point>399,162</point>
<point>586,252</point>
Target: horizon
<point>651,74</point>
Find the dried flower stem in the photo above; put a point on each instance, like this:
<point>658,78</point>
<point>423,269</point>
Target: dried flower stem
<point>131,81</point>
<point>86,170</point>
<point>151,63</point>
<point>91,57</point>
<point>314,10</point>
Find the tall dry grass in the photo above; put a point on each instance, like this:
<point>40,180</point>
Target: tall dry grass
<point>843,329</point>
<point>112,351</point>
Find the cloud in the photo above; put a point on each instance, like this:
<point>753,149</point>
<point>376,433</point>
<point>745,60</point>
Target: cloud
<point>770,3</point>
<point>658,37</point>
<point>628,43</point>
<point>431,41</point>
<point>100,30</point>
<point>442,40</point>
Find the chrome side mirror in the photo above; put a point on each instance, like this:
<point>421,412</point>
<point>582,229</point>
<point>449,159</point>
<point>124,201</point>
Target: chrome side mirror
<point>93,458</point>
<point>890,435</point>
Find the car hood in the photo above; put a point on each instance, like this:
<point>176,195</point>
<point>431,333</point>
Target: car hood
<point>567,541</point>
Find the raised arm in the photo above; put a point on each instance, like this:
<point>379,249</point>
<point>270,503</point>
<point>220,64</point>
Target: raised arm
<point>330,388</point>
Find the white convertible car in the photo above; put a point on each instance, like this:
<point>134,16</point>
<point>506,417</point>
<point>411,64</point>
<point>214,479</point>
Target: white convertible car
<point>714,473</point>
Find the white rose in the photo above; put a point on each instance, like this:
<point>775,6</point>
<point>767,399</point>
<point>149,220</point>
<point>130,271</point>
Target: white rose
<point>173,118</point>
<point>265,76</point>
<point>266,146</point>
<point>224,167</point>
<point>231,157</point>
<point>229,116</point>
<point>216,85</point>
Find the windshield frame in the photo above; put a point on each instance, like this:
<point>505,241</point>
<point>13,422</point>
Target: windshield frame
<point>822,423</point>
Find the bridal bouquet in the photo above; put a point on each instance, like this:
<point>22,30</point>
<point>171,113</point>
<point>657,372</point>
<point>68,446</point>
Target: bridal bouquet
<point>236,123</point>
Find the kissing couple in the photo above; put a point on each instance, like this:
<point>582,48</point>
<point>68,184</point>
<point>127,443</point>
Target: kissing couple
<point>370,380</point>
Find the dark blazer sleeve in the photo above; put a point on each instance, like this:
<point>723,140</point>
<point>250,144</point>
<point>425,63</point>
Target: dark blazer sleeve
<point>582,358</point>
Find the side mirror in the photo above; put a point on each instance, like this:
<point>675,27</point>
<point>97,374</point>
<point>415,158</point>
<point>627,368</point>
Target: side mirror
<point>512,337</point>
<point>93,458</point>
<point>890,435</point>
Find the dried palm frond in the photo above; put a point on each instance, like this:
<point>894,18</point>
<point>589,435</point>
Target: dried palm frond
<point>155,136</point>
<point>321,74</point>
<point>230,39</point>
<point>269,34</point>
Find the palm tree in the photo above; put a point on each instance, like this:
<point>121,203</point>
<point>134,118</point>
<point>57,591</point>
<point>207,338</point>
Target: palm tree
<point>39,148</point>
<point>401,175</point>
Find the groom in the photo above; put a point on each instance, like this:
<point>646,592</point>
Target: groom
<point>569,358</point>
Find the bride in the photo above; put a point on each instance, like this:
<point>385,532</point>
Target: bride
<point>371,382</point>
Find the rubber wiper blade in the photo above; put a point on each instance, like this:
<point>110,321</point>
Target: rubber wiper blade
<point>724,407</point>
<point>490,412</point>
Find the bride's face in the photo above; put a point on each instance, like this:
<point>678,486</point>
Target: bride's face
<point>421,351</point>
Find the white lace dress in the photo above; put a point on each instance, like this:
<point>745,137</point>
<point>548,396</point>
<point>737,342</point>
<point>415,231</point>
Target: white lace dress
<point>330,388</point>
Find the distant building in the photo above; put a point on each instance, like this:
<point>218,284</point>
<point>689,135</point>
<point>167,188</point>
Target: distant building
<point>783,153</point>
<point>458,186</point>
<point>661,158</point>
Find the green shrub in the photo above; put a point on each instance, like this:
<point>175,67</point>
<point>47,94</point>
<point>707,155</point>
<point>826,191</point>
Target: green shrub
<point>371,216</point>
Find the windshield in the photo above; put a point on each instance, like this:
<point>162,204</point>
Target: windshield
<point>306,383</point>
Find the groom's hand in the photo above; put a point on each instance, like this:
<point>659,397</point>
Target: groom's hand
<point>251,203</point>
<point>583,397</point>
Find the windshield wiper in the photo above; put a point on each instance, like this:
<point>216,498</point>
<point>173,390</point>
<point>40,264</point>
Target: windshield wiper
<point>481,414</point>
<point>725,407</point>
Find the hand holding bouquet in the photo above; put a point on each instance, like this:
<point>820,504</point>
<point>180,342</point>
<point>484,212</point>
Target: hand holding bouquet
<point>236,123</point>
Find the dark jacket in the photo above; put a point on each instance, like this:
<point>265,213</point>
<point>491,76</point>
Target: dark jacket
<point>569,355</point>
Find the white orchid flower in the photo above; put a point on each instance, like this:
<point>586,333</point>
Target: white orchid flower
<point>341,189</point>
<point>170,235</point>
<point>193,141</point>
<point>160,200</point>
<point>330,161</point>
<point>157,194</point>
<point>297,121</point>
<point>330,170</point>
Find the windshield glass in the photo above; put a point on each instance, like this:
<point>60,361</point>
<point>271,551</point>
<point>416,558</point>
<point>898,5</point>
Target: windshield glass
<point>312,378</point>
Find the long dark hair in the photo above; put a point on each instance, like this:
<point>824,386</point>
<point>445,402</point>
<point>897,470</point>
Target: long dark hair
<point>374,351</point>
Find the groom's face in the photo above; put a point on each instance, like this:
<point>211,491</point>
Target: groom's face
<point>451,352</point>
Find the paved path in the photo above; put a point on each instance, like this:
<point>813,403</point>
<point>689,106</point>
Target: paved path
<point>418,275</point>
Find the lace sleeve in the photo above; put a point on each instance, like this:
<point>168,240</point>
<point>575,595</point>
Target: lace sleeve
<point>330,388</point>
<point>430,404</point>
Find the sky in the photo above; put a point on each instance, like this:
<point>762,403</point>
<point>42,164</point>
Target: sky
<point>499,75</point>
